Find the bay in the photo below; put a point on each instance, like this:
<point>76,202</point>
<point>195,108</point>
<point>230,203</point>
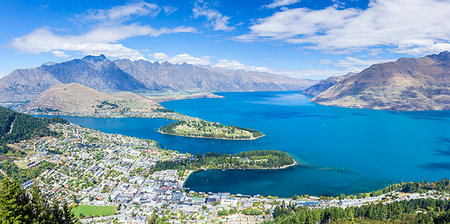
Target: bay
<point>347,150</point>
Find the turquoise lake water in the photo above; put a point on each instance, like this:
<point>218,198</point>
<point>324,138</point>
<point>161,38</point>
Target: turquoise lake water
<point>348,150</point>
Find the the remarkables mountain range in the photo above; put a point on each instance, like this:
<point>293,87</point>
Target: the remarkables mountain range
<point>104,75</point>
<point>406,84</point>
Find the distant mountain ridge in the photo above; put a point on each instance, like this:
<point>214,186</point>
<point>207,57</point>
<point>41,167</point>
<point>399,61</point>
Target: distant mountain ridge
<point>156,76</point>
<point>408,84</point>
<point>104,75</point>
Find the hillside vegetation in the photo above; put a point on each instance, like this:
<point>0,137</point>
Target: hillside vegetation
<point>15,127</point>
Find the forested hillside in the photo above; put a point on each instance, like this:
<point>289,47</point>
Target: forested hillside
<point>15,127</point>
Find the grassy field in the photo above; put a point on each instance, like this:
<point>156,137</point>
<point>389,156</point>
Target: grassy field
<point>90,210</point>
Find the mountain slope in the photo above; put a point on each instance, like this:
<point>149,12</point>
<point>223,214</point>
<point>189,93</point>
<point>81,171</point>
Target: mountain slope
<point>406,84</point>
<point>75,98</point>
<point>186,77</point>
<point>96,72</point>
<point>323,85</point>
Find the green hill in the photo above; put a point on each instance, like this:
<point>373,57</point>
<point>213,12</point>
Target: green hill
<point>15,127</point>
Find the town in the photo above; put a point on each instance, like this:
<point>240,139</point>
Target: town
<point>111,172</point>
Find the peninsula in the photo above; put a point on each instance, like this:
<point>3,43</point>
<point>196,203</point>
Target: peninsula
<point>207,129</point>
<point>255,159</point>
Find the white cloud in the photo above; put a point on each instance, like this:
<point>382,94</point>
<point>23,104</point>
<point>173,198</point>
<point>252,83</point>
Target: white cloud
<point>413,27</point>
<point>60,54</point>
<point>214,18</point>
<point>120,13</point>
<point>291,23</point>
<point>356,65</point>
<point>169,9</point>
<point>109,27</point>
<point>186,58</point>
<point>279,3</point>
<point>236,65</point>
<point>102,40</point>
<point>159,56</point>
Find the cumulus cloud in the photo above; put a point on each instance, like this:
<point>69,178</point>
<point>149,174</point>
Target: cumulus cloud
<point>214,18</point>
<point>102,40</point>
<point>413,27</point>
<point>186,58</point>
<point>159,56</point>
<point>279,3</point>
<point>109,26</point>
<point>60,54</point>
<point>120,13</point>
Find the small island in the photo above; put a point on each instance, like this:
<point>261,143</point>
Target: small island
<point>206,129</point>
<point>256,159</point>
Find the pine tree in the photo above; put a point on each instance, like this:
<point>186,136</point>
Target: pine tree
<point>40,206</point>
<point>14,203</point>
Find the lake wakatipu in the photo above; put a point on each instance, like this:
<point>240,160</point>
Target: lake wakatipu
<point>347,150</point>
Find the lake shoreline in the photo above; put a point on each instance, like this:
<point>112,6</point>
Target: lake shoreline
<point>272,168</point>
<point>237,139</point>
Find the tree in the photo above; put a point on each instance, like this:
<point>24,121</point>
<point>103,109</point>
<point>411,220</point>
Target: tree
<point>14,203</point>
<point>19,206</point>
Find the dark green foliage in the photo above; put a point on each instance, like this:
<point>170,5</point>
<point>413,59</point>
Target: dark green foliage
<point>437,211</point>
<point>19,206</point>
<point>107,104</point>
<point>250,159</point>
<point>15,127</point>
<point>252,211</point>
<point>163,110</point>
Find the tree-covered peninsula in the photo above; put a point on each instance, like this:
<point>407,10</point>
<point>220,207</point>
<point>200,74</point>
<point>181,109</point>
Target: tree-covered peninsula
<point>258,159</point>
<point>206,129</point>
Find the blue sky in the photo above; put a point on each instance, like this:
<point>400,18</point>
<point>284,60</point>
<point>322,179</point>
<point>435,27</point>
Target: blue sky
<point>298,38</point>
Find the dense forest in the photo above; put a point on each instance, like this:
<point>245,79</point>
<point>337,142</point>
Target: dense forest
<point>20,206</point>
<point>206,129</point>
<point>15,127</point>
<point>258,159</point>
<point>410,211</point>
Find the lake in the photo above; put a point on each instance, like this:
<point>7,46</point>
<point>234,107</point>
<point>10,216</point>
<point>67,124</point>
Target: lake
<point>347,150</point>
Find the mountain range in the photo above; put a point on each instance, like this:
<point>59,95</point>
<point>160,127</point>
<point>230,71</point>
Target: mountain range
<point>407,84</point>
<point>104,75</point>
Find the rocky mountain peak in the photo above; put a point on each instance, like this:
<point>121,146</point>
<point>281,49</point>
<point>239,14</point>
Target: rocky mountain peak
<point>101,57</point>
<point>443,56</point>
